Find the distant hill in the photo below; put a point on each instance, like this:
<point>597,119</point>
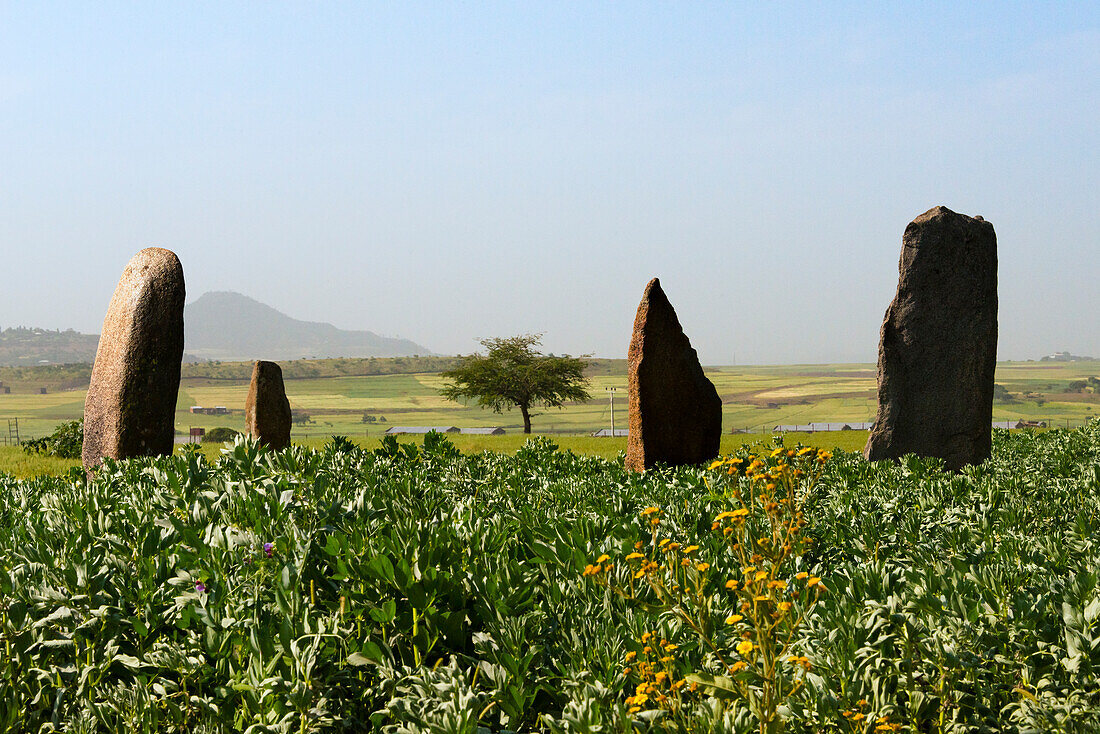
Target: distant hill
<point>22,347</point>
<point>222,325</point>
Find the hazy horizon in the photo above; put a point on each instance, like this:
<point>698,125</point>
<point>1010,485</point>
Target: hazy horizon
<point>444,173</point>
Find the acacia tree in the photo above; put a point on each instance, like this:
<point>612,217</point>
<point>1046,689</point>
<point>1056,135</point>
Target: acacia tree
<point>514,374</point>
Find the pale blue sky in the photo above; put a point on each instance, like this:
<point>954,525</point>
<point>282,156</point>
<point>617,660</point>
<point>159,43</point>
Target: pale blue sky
<point>451,171</point>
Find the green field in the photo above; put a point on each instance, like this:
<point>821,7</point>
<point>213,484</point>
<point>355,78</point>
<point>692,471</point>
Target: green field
<point>14,461</point>
<point>755,399</point>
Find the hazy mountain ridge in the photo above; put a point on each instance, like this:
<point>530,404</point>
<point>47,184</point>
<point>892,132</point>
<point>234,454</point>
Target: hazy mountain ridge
<point>220,325</point>
<point>228,326</point>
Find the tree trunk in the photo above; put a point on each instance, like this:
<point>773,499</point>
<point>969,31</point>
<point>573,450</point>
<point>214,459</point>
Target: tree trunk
<point>526,418</point>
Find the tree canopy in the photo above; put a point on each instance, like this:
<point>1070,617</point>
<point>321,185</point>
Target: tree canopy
<point>514,374</point>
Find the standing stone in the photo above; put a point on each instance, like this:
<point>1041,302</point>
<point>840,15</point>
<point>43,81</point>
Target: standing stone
<point>938,344</point>
<point>267,411</point>
<point>675,412</point>
<point>131,404</point>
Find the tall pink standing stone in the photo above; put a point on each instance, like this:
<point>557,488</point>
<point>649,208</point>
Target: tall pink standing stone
<point>675,412</point>
<point>938,344</point>
<point>131,403</point>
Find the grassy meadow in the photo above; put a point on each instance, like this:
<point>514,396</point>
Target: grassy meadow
<point>754,399</point>
<point>20,465</point>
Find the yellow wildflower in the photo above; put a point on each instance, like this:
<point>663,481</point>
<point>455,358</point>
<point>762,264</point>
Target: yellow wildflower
<point>650,511</point>
<point>734,619</point>
<point>744,647</point>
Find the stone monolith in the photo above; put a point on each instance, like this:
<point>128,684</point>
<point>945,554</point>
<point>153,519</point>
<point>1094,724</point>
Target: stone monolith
<point>675,412</point>
<point>266,410</point>
<point>131,403</point>
<point>938,344</point>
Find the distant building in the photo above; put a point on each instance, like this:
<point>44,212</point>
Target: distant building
<point>823,427</point>
<point>493,431</point>
<point>397,430</point>
<point>606,433</point>
<point>216,410</point>
<point>41,391</point>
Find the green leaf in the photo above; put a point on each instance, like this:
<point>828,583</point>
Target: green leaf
<point>718,686</point>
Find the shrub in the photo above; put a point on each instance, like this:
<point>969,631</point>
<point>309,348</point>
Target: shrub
<point>66,442</point>
<point>221,434</point>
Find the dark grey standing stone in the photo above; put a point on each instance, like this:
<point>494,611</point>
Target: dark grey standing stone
<point>131,403</point>
<point>938,344</point>
<point>675,412</point>
<point>267,410</point>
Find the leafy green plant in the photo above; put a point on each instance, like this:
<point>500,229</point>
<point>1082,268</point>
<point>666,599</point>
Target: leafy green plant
<point>414,588</point>
<point>65,443</point>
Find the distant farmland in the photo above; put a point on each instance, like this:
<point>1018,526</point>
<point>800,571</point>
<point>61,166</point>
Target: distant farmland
<point>338,394</point>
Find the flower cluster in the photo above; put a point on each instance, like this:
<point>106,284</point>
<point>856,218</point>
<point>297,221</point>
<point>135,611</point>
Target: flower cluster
<point>748,616</point>
<point>658,687</point>
<point>858,721</point>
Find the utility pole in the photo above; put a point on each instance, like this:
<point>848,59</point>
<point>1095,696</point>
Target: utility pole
<point>611,397</point>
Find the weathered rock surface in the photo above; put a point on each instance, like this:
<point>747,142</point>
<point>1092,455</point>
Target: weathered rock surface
<point>131,403</point>
<point>675,412</point>
<point>938,344</point>
<point>266,410</point>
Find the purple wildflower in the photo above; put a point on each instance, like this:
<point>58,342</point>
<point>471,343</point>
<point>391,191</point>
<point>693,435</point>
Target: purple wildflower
<point>269,548</point>
<point>200,587</point>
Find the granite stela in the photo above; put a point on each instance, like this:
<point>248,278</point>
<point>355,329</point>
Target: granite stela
<point>131,403</point>
<point>938,344</point>
<point>675,412</point>
<point>266,410</point>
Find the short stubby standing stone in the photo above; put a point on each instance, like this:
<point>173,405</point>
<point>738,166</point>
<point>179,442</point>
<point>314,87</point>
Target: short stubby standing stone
<point>675,412</point>
<point>266,410</point>
<point>938,344</point>
<point>131,403</point>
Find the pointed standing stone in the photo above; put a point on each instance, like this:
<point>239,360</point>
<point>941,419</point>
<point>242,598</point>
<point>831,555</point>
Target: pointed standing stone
<point>675,412</point>
<point>131,403</point>
<point>938,344</point>
<point>267,411</point>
